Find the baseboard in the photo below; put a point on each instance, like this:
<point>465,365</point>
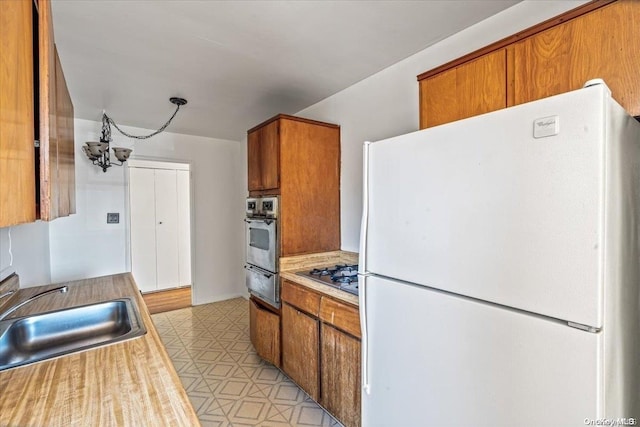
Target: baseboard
<point>219,298</point>
<point>168,300</point>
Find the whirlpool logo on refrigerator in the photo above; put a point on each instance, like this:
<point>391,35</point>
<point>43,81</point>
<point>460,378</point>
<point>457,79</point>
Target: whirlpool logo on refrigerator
<point>546,126</point>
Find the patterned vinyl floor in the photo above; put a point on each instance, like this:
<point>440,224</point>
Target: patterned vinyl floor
<point>227,383</point>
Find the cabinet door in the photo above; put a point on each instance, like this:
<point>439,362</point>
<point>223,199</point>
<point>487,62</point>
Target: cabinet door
<point>253,165</point>
<point>473,88</point>
<point>309,187</point>
<point>49,184</point>
<point>270,156</point>
<point>264,330</point>
<point>143,228</point>
<point>17,168</point>
<point>183,182</point>
<point>601,44</point>
<point>64,130</point>
<point>166,200</point>
<point>340,375</point>
<point>263,153</point>
<point>300,347</point>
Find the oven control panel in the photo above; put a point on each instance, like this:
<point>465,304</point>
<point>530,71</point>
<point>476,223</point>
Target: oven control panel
<point>269,207</point>
<point>262,207</point>
<point>252,207</point>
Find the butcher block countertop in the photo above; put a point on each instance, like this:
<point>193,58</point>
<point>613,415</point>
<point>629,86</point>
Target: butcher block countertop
<point>130,383</point>
<point>291,265</point>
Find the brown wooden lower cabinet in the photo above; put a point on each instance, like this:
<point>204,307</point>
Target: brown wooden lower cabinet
<point>321,349</point>
<point>340,375</point>
<point>264,327</point>
<point>300,349</point>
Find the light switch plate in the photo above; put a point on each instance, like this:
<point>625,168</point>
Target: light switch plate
<point>113,218</point>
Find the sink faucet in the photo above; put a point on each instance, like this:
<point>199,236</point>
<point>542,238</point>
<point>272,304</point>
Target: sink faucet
<point>61,289</point>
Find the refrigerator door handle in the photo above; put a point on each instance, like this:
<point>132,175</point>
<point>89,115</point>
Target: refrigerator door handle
<point>364,225</point>
<point>362,270</point>
<point>366,388</point>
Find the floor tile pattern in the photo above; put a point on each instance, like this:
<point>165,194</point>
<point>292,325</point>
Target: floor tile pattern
<point>227,383</point>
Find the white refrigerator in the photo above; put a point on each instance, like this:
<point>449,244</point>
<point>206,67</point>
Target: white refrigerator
<point>499,269</point>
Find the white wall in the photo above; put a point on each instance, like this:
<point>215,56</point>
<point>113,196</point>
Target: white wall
<point>30,249</point>
<point>386,104</point>
<point>84,245</point>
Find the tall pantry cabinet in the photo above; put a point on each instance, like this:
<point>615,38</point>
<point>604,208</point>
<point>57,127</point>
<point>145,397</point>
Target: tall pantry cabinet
<point>299,160</point>
<point>160,225</point>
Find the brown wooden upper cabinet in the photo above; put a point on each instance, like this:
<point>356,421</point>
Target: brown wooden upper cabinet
<point>473,88</point>
<point>600,39</point>
<point>299,159</point>
<point>264,157</point>
<point>26,192</point>
<point>604,43</point>
<point>64,165</point>
<point>17,156</point>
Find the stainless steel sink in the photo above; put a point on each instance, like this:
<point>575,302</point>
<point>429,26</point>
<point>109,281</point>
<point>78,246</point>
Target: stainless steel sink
<point>42,336</point>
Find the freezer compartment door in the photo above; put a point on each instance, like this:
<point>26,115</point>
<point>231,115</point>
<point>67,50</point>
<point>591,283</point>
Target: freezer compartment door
<point>482,208</point>
<point>441,360</point>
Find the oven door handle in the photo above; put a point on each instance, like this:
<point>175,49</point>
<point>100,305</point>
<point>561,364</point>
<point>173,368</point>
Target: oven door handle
<point>264,220</point>
<point>267,275</point>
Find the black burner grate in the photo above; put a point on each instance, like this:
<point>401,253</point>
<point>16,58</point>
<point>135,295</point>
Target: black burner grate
<point>342,276</point>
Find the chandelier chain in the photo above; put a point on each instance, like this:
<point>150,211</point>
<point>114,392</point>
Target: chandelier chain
<point>161,129</point>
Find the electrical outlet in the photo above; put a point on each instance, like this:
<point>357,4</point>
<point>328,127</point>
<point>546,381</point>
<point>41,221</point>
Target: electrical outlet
<point>113,218</point>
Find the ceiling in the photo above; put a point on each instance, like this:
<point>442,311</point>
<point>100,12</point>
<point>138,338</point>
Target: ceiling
<point>237,62</point>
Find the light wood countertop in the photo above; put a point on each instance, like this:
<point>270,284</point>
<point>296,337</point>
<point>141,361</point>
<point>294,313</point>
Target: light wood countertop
<point>321,259</point>
<point>319,287</point>
<point>130,383</point>
<point>292,265</point>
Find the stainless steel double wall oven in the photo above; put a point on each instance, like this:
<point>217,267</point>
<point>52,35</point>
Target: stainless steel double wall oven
<point>263,249</point>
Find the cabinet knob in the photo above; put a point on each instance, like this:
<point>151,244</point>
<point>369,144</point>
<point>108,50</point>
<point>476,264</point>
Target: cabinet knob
<point>160,222</point>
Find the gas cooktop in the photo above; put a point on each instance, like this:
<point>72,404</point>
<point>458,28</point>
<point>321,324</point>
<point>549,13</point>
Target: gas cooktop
<point>341,276</point>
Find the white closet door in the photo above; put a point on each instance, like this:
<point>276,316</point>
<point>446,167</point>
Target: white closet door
<point>166,228</point>
<point>143,228</point>
<point>184,227</point>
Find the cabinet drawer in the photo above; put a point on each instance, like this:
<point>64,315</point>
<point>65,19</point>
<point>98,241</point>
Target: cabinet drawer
<point>300,297</point>
<point>342,316</point>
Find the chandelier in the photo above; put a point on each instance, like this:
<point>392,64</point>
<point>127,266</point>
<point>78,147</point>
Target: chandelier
<point>98,151</point>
